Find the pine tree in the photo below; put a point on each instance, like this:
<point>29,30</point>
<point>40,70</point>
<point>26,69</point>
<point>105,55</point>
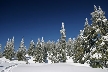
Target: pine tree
<point>12,48</point>
<point>63,47</point>
<point>38,54</point>
<point>9,51</point>
<point>85,43</point>
<point>6,48</point>
<point>1,55</point>
<point>69,47</point>
<point>48,46</point>
<point>54,52</point>
<point>90,37</point>
<point>31,48</point>
<point>99,54</point>
<point>44,50</point>
<point>21,51</point>
<point>79,50</point>
<point>74,44</point>
<point>58,49</point>
<point>103,50</point>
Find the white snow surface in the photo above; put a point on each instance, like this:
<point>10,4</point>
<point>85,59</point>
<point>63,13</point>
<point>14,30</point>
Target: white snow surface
<point>97,30</point>
<point>20,66</point>
<point>105,38</point>
<point>97,55</point>
<point>60,67</point>
<point>102,43</point>
<point>104,20</point>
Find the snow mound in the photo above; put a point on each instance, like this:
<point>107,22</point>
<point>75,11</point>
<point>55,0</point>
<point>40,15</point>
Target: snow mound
<point>31,60</point>
<point>69,59</point>
<point>2,60</point>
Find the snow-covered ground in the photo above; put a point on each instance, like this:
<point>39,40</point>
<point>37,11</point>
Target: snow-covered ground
<point>20,66</point>
<point>60,67</point>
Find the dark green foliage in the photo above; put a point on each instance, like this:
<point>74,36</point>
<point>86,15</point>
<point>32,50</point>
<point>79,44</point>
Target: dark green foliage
<point>9,51</point>
<point>31,49</point>
<point>21,51</point>
<point>20,56</point>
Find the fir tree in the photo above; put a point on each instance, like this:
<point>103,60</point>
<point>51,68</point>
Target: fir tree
<point>9,51</point>
<point>58,49</point>
<point>44,50</point>
<point>1,55</point>
<point>38,54</point>
<point>99,56</point>
<point>6,48</point>
<point>69,47</point>
<point>21,51</point>
<point>48,46</point>
<point>54,52</point>
<point>31,48</point>
<point>90,36</point>
<point>79,50</point>
<point>63,47</point>
<point>85,43</point>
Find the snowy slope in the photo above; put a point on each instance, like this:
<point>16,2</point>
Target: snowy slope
<point>20,66</point>
<point>60,67</point>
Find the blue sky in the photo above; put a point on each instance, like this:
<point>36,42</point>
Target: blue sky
<point>36,18</point>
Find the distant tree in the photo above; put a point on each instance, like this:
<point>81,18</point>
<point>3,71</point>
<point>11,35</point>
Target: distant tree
<point>9,51</point>
<point>79,50</point>
<point>62,42</point>
<point>44,50</point>
<point>6,48</point>
<point>21,51</point>
<point>48,46</point>
<point>54,53</point>
<point>31,48</point>
<point>1,55</point>
<point>70,47</point>
<point>38,54</point>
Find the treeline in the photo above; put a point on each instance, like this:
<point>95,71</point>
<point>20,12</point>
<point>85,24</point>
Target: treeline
<point>90,46</point>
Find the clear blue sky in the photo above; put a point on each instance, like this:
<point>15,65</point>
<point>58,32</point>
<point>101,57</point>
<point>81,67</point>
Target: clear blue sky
<point>36,18</point>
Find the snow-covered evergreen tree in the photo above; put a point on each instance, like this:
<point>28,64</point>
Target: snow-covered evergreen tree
<point>86,41</point>
<point>103,50</point>
<point>44,50</point>
<point>74,44</point>
<point>63,47</point>
<point>31,48</point>
<point>9,51</point>
<point>54,53</point>
<point>38,54</point>
<point>70,47</point>
<point>48,46</point>
<point>1,55</point>
<point>99,54</point>
<point>58,50</point>
<point>6,48</point>
<point>78,48</point>
<point>21,51</point>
